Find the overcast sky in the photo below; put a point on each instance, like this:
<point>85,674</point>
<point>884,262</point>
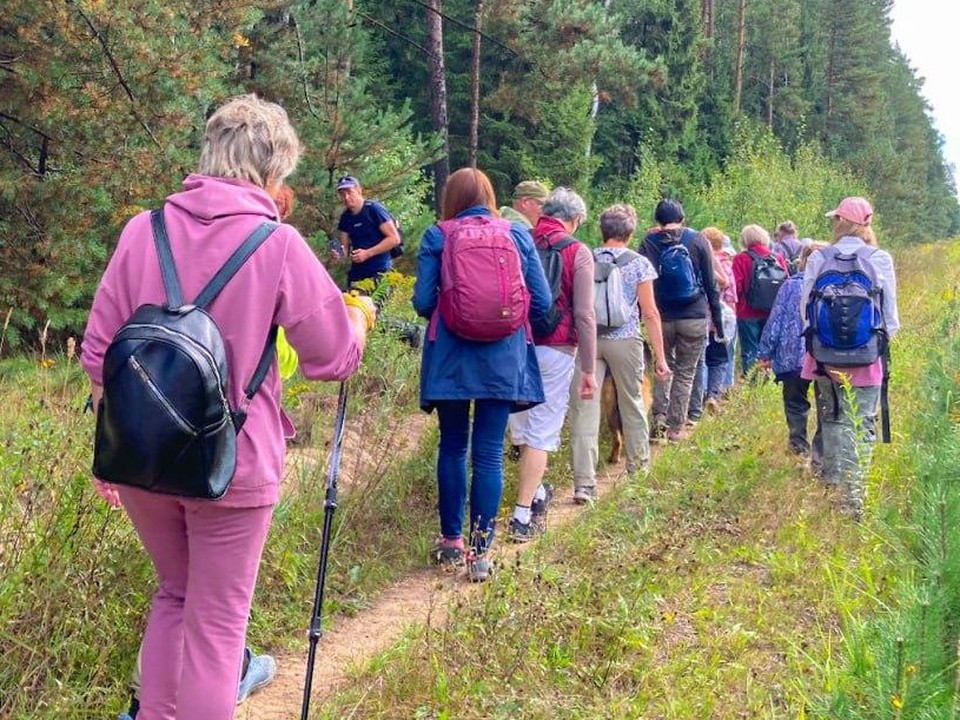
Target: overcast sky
<point>927,32</point>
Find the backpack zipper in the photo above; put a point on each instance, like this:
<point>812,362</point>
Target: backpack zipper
<point>152,386</point>
<point>200,348</point>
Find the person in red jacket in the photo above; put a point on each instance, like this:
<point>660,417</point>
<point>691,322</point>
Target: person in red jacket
<point>751,313</point>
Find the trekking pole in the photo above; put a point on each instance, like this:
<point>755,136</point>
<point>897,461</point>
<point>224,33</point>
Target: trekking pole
<point>329,506</point>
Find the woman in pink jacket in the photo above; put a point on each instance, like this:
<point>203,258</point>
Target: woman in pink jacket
<point>206,553</point>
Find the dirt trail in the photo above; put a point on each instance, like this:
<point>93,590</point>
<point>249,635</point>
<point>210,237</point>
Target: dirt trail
<point>420,599</point>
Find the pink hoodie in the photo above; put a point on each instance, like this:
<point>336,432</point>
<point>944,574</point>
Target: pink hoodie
<point>283,283</point>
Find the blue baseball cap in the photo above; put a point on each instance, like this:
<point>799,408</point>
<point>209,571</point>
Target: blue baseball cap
<point>347,181</point>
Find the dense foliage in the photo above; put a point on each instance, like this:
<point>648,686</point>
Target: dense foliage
<point>103,105</point>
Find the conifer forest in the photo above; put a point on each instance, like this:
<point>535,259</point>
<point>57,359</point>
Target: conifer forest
<point>102,106</point>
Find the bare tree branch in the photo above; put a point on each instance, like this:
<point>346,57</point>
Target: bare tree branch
<point>116,69</point>
<point>472,29</point>
<point>395,33</point>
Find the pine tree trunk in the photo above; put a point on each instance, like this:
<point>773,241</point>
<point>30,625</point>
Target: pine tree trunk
<point>706,17</point>
<point>438,96</point>
<point>475,85</point>
<point>741,55</point>
<point>771,77</point>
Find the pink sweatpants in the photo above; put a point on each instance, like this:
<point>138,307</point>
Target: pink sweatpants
<point>206,557</point>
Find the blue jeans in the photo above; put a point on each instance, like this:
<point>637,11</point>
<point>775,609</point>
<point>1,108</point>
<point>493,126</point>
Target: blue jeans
<point>486,457</point>
<point>749,332</point>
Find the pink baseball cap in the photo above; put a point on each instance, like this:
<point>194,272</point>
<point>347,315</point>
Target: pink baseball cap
<point>854,209</point>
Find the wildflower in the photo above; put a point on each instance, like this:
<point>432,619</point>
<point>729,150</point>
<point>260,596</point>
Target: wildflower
<point>239,41</point>
<point>911,669</point>
<point>896,701</point>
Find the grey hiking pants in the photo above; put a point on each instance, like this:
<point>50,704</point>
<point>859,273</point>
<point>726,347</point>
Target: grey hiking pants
<point>683,343</point>
<point>848,419</point>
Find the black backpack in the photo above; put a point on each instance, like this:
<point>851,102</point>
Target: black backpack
<point>164,423</point>
<point>552,262</point>
<point>766,277</point>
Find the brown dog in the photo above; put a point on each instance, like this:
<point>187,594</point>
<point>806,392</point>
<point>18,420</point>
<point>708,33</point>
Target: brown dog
<point>610,408</point>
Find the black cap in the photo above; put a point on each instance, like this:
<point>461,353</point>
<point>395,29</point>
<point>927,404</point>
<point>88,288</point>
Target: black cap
<point>668,211</point>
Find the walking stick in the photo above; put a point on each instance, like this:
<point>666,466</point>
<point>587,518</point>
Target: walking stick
<point>329,506</point>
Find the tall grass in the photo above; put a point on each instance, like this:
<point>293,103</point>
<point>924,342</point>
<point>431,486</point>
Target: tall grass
<point>726,585</point>
<point>75,583</point>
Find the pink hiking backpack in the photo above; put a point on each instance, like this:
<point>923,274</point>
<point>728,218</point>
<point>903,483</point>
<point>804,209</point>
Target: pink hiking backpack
<point>483,296</point>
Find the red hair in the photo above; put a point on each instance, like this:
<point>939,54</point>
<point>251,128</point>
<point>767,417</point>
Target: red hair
<point>285,201</point>
<point>465,188</point>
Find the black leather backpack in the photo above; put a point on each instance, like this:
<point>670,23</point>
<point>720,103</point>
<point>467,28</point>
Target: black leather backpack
<point>165,423</point>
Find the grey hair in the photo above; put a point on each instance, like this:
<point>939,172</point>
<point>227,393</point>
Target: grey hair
<point>618,221</point>
<point>564,204</point>
<point>250,139</point>
<point>754,235</point>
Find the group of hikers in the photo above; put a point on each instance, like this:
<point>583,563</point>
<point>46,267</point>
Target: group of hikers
<point>524,323</point>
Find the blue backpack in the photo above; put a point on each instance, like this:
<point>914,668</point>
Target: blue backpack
<point>677,280</point>
<point>845,310</point>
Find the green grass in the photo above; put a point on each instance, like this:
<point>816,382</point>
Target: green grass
<point>723,586</point>
<point>75,583</point>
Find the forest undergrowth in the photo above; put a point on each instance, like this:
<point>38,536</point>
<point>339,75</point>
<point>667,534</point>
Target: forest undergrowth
<point>724,585</point>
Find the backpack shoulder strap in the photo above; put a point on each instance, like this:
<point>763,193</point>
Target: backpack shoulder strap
<point>234,263</point>
<point>625,258</point>
<point>562,243</point>
<point>171,281</point>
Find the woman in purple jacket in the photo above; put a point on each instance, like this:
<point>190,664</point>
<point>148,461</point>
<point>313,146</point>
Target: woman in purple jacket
<point>206,554</point>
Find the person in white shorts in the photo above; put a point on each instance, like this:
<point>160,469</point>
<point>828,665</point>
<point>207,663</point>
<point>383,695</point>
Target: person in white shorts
<point>537,430</point>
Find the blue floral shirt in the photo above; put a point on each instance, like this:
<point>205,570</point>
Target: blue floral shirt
<point>782,338</point>
<point>637,271</point>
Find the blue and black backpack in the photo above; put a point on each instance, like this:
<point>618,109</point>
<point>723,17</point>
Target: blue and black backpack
<point>678,282</point>
<point>845,310</point>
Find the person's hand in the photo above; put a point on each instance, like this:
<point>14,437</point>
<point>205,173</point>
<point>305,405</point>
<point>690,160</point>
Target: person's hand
<point>765,364</point>
<point>335,256</point>
<point>588,386</point>
<point>360,255</point>
<point>107,491</point>
<point>662,370</point>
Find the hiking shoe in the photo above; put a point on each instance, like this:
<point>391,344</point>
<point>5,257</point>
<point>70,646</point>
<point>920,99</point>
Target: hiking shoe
<point>675,435</point>
<point>538,508</point>
<point>131,714</point>
<point>712,404</point>
<point>692,420</point>
<point>448,553</point>
<point>523,532</point>
<point>261,669</point>
<point>584,495</point>
<point>479,567</point>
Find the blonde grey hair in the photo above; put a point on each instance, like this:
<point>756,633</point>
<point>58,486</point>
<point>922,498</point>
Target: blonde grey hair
<point>754,235</point>
<point>250,139</point>
<point>618,221</point>
<point>564,204</point>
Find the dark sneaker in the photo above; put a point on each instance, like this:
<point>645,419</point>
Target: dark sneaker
<point>448,553</point>
<point>523,532</point>
<point>131,714</point>
<point>261,669</point>
<point>479,567</point>
<point>538,508</point>
<point>584,495</point>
